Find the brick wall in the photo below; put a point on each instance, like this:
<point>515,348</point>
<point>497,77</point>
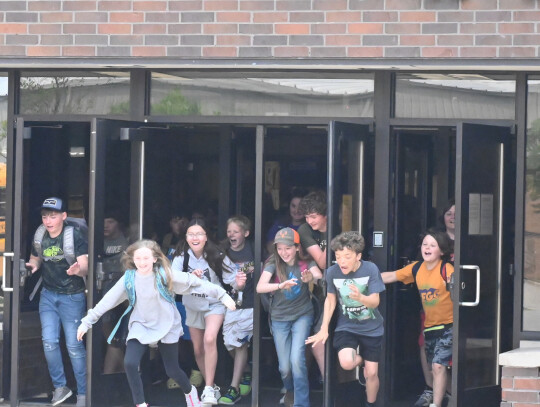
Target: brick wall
<point>271,28</point>
<point>520,387</point>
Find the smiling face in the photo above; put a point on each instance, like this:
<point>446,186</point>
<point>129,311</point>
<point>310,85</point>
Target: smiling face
<point>348,260</point>
<point>287,253</point>
<point>144,260</point>
<point>431,251</point>
<point>196,238</point>
<point>450,218</point>
<point>294,210</point>
<point>53,221</point>
<point>316,221</point>
<point>237,236</point>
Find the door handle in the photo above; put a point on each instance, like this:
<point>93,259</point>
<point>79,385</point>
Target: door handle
<point>100,275</point>
<point>477,299</point>
<point>4,255</point>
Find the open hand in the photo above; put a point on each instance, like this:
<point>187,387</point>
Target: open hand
<point>228,302</point>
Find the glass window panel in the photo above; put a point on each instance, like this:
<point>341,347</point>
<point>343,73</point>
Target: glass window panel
<point>455,96</point>
<point>261,96</point>
<point>531,275</point>
<point>75,93</point>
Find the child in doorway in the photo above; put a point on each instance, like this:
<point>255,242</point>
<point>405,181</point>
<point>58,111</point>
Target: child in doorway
<point>201,257</point>
<point>291,311</point>
<point>431,276</point>
<point>360,325</point>
<point>238,324</point>
<point>150,284</point>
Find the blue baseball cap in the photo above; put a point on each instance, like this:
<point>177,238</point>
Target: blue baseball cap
<point>53,204</point>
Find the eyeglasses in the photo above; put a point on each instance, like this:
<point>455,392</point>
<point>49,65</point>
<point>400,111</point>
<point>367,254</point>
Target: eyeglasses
<point>193,235</point>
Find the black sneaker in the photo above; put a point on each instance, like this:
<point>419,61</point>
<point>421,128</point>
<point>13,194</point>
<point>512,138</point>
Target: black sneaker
<point>425,399</point>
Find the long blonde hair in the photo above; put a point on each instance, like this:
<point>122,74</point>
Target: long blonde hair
<point>162,260</point>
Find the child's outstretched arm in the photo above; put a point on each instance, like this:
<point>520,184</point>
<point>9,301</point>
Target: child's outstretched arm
<point>187,283</point>
<point>389,277</point>
<point>115,296</point>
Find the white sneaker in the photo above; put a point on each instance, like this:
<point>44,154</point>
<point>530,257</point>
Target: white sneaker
<point>209,396</point>
<point>217,392</point>
<point>192,398</point>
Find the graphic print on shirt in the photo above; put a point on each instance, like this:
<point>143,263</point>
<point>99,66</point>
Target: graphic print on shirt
<point>205,276</point>
<point>294,291</point>
<point>353,309</point>
<point>246,267</point>
<point>53,253</point>
<point>429,295</point>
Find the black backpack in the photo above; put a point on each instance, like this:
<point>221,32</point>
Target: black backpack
<point>417,265</point>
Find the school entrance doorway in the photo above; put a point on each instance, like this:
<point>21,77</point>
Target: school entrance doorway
<point>469,168</point>
<point>146,172</point>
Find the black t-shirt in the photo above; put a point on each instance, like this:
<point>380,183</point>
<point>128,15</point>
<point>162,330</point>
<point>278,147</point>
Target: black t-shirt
<point>54,265</point>
<point>245,260</point>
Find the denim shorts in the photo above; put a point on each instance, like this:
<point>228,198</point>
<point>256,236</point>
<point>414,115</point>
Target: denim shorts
<point>439,347</point>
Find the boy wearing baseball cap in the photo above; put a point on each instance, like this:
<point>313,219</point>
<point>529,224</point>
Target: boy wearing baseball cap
<point>63,258</point>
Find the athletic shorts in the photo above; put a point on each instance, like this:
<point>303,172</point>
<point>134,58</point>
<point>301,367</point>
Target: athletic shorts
<point>439,346</point>
<point>370,346</point>
<point>237,328</point>
<point>196,319</point>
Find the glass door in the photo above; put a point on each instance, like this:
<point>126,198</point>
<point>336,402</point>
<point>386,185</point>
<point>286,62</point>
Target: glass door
<point>51,159</point>
<point>484,211</point>
<point>350,207</point>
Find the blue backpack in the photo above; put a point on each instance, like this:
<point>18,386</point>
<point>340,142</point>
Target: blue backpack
<point>129,283</point>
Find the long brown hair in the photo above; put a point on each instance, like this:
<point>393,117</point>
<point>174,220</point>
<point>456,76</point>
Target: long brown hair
<point>281,266</point>
<point>162,260</point>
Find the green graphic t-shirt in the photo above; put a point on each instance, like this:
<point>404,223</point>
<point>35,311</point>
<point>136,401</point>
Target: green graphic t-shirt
<point>54,265</point>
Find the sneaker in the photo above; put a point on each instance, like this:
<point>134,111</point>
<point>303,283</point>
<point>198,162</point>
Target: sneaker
<point>288,399</point>
<point>231,397</point>
<point>282,399</point>
<point>217,393</point>
<point>142,405</point>
<point>192,398</point>
<point>425,399</point>
<point>196,378</point>
<point>245,384</point>
<point>60,395</point>
<point>81,400</point>
<point>209,396</point>
<point>171,384</point>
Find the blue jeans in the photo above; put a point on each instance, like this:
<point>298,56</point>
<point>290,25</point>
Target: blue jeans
<point>290,337</point>
<point>65,309</point>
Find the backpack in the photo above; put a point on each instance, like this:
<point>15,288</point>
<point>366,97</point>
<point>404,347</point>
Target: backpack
<point>129,284</point>
<point>68,241</point>
<point>417,265</point>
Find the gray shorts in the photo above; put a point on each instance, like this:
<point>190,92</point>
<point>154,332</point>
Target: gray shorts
<point>237,328</point>
<point>196,319</point>
<point>439,347</point>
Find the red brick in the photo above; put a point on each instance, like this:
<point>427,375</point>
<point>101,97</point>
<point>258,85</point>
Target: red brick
<point>526,384</point>
<point>439,52</point>
<point>79,28</point>
<point>149,28</point>
<point>291,52</point>
<point>417,16</point>
<point>517,52</point>
<point>78,51</point>
<point>45,29</point>
<point>271,17</point>
<point>213,5</point>
<point>233,17</point>
<point>341,40</point>
<point>517,4</point>
<point>114,5</point>
<point>507,383</point>
<point>478,52</point>
<point>184,29</point>
<point>254,5</point>
<point>292,29</point>
<point>516,28</point>
<point>43,51</point>
<point>12,50</point>
<point>126,17</point>
<point>365,52</point>
<point>479,4</point>
<point>185,5</point>
<point>42,5</point>
<point>79,5</point>
<point>457,40</point>
<point>148,51</point>
<point>328,28</point>
<point>214,28</point>
<point>329,5</point>
<point>60,17</point>
<point>474,28</point>
<point>114,29</point>
<point>343,16</point>
<point>533,16</point>
<point>418,40</point>
<point>233,40</point>
<point>524,396</point>
<point>402,28</point>
<point>13,28</point>
<point>524,404</point>
<point>382,16</point>
<point>220,52</point>
<point>153,5</point>
<point>403,4</point>
<point>365,28</point>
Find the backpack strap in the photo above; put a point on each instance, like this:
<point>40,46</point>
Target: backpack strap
<point>129,284</point>
<point>38,238</point>
<point>186,262</point>
<point>161,282</point>
<point>69,245</point>
<point>417,265</point>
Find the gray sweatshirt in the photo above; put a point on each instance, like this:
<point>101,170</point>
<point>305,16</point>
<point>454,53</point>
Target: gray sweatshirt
<point>153,318</point>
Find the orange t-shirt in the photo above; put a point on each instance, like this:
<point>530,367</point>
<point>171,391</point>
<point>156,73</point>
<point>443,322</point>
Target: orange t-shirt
<point>436,300</point>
